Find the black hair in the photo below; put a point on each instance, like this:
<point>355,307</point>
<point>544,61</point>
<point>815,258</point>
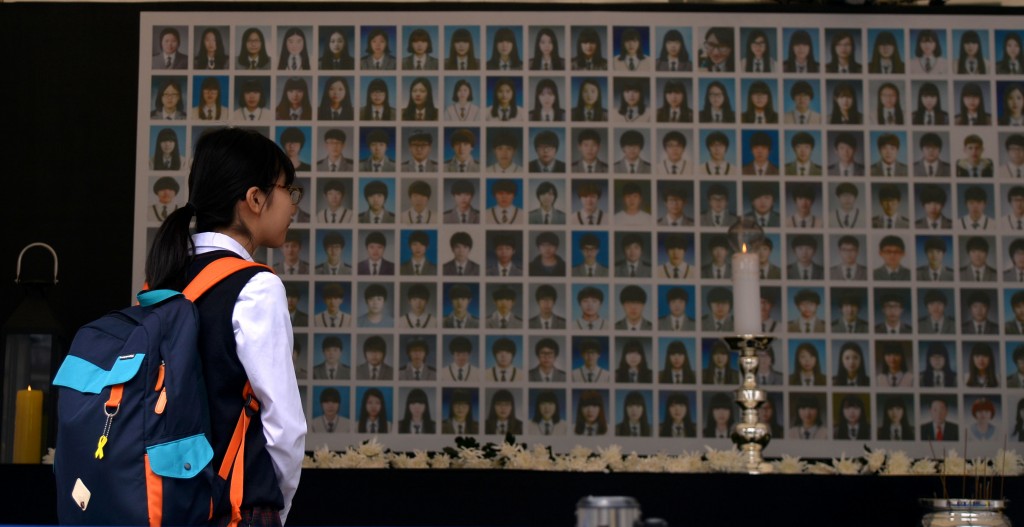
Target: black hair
<point>263,59</point>
<point>382,417</point>
<point>282,60</point>
<point>220,56</point>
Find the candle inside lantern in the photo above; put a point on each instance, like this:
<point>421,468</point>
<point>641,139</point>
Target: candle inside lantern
<point>746,292</point>
<point>28,420</point>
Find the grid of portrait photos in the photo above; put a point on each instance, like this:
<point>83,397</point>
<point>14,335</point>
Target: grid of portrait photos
<point>517,224</point>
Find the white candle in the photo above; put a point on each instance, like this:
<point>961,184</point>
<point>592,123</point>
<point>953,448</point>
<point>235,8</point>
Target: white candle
<point>746,292</point>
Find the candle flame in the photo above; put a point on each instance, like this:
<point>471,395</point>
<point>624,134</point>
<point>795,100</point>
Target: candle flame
<point>744,248</point>
<point>30,387</point>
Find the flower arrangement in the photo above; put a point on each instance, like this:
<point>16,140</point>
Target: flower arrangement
<point>469,454</point>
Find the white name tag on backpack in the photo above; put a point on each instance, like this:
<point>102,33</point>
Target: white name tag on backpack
<point>81,494</point>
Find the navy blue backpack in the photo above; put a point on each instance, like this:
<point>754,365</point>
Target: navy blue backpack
<point>133,421</point>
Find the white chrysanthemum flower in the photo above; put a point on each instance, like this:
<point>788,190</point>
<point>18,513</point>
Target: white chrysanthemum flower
<point>789,465</point>
<point>1006,462</point>
<point>875,459</point>
<point>441,460</point>
<point>898,464</point>
<point>685,463</point>
<point>541,458</point>
<point>611,456</point>
<point>821,469</point>
<point>924,467</point>
<point>580,451</point>
<point>845,466</point>
<point>980,467</point>
<point>725,460</point>
<point>371,448</point>
<point>953,464</point>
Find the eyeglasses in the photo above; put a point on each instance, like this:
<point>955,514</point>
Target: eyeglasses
<point>294,192</point>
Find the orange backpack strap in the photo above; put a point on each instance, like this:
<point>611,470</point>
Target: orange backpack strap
<point>215,272</point>
<point>234,459</point>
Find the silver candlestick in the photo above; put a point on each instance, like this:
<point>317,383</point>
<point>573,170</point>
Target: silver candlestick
<point>750,435</point>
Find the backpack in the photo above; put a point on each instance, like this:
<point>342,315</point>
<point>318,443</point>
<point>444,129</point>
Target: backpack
<point>133,419</point>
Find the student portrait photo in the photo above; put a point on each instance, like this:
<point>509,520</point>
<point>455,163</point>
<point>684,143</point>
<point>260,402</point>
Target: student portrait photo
<point>505,49</point>
<point>810,417</point>
<point>588,151</point>
<point>297,294</point>
<point>504,202</point>
<point>893,312</point>
<point>1013,156</point>
<point>928,57</point>
<point>762,203</point>
<point>168,98</point>
<point>546,54</point>
<point>460,206</point>
<point>504,313</point>
<point>720,368</point>
<point>546,143</point>
<point>169,46</point>
<point>505,155</point>
<point>849,315</point>
<point>462,46</point>
<point>418,311</point>
<point>460,307</point>
<point>377,153</point>
<point>805,258</point>
<point>981,365</point>
<point>460,264</point>
<point>252,54</point>
<point>332,310</point>
<point>377,105</point>
<point>417,361</point>
<point>633,306</point>
<point>928,110</point>
<point>420,151</point>
<point>591,415</point>
<point>634,416</point>
<point>886,51</point>
<point>590,254</point>
<point>931,163</point>
<point>589,202</point>
<point>330,254</point>
<point>632,49</point>
<point>677,365</point>
<point>634,258</point>
<point>421,105</point>
<point>416,418</point>
<point>548,366</point>
<point>672,251</point>
<point>675,53</point>
<point>337,158</point>
<point>719,410</point>
<point>504,362</point>
<point>892,360</point>
<point>336,47</point>
<point>759,50</point>
<point>377,52</point>
<point>547,104</point>
<point>461,362</point>
<point>843,54</point>
<point>547,211</point>
<point>165,192</point>
<point>332,361</point>
<point>463,105</point>
<point>800,54</point>
<point>589,104</point>
<point>675,101</point>
<point>675,209</point>
<point>895,417</point>
<point>851,364</point>
<point>377,307</point>
<point>590,360</point>
<point>802,106</point>
<point>331,414</point>
<point>716,105</point>
<point>375,364</point>
<point>462,405</point>
<point>717,52</point>
<point>970,104</point>
<point>806,359</point>
<point>375,250</point>
<point>547,260</point>
<point>985,411</point>
<point>548,418</point>
<point>504,254</point>
<point>505,99</point>
<point>853,416</point>
<point>634,100</point>
<point>891,206</point>
<point>379,202</point>
<point>937,370</point>
<point>590,313</point>
<point>974,253</point>
<point>1010,101</point>
<point>546,315</point>
<point>421,205</point>
<point>806,205</point>
<point>589,43</point>
<point>938,312</point>
<point>419,48</point>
